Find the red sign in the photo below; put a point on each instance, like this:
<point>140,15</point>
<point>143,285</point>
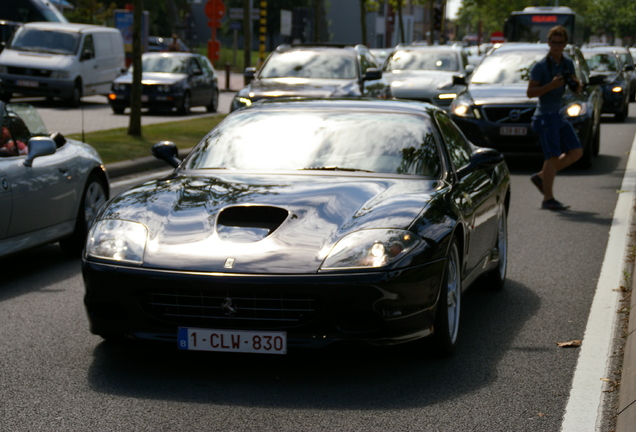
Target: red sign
<point>497,37</point>
<point>215,11</point>
<point>550,19</point>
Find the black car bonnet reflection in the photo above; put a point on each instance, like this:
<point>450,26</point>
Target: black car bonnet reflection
<point>193,219</point>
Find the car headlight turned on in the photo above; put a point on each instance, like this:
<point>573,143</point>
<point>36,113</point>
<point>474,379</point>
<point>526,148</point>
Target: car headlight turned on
<point>117,240</point>
<point>575,109</point>
<point>372,248</point>
<point>617,89</point>
<point>243,101</point>
<point>462,107</point>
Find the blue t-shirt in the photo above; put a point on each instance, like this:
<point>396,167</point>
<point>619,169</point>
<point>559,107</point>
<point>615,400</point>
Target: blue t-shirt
<point>543,71</point>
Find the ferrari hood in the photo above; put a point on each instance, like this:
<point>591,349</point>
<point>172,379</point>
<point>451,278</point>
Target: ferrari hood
<point>273,224</point>
<point>300,87</point>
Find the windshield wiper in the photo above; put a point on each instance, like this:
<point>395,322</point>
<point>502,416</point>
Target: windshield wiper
<point>333,168</point>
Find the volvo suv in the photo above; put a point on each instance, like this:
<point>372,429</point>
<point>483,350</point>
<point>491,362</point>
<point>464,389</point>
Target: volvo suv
<point>495,112</point>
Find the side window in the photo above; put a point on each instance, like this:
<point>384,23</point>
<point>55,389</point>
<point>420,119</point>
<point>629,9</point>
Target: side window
<point>88,46</point>
<point>193,64</point>
<point>207,67</point>
<point>459,149</point>
<point>365,63</point>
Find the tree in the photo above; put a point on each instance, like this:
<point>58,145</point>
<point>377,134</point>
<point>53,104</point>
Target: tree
<point>366,6</point>
<point>397,5</point>
<point>134,126</point>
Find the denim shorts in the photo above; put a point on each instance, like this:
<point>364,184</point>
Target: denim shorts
<point>556,134</point>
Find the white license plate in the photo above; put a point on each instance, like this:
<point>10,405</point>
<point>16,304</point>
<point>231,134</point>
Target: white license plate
<point>21,83</point>
<point>515,131</point>
<point>261,342</point>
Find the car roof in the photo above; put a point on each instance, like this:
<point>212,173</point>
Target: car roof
<point>69,27</point>
<point>354,49</point>
<point>362,104</point>
<point>170,54</point>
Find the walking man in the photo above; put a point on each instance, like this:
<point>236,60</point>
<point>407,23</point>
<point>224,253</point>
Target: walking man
<point>561,147</point>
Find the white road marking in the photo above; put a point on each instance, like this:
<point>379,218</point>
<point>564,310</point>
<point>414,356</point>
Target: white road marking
<point>584,413</point>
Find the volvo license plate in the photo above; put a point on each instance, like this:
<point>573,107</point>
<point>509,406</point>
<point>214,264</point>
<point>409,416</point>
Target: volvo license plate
<point>240,341</point>
<point>513,130</point>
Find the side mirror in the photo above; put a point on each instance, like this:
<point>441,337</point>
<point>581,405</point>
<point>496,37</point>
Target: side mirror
<point>597,79</point>
<point>459,80</point>
<point>86,55</point>
<point>629,68</point>
<point>248,75</point>
<point>39,146</point>
<point>372,74</point>
<point>167,152</point>
<point>481,158</point>
<point>58,139</point>
<point>470,68</point>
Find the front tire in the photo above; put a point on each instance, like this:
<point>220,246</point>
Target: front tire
<point>92,200</point>
<point>75,100</point>
<point>446,327</point>
<point>214,103</point>
<point>118,109</point>
<point>621,116</point>
<point>184,109</point>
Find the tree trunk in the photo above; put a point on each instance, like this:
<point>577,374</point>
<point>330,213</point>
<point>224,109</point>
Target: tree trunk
<point>363,21</point>
<point>134,127</point>
<point>247,32</point>
<point>316,32</point>
<point>400,3</point>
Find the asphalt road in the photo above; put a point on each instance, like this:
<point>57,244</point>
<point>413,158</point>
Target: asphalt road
<point>508,374</point>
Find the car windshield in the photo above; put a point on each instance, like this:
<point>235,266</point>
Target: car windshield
<point>309,140</point>
<point>30,118</point>
<point>510,67</point>
<point>164,64</point>
<point>601,62</point>
<point>327,64</point>
<point>420,59</point>
<point>45,41</point>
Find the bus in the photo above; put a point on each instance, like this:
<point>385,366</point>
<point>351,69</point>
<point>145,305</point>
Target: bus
<point>533,24</point>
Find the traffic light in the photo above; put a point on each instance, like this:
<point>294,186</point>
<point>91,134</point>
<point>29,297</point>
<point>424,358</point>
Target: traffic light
<point>437,18</point>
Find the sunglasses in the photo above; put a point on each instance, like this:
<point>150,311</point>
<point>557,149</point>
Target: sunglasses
<point>553,42</point>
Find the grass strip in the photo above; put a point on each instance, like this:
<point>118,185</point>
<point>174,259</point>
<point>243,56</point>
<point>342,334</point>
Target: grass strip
<point>115,145</point>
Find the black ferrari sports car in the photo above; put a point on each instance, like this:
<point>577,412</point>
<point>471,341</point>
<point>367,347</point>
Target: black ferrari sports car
<point>302,223</point>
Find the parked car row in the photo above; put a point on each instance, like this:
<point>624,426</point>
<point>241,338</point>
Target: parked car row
<point>68,61</point>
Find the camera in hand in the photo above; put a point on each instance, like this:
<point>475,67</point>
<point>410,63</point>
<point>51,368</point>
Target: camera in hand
<point>572,84</point>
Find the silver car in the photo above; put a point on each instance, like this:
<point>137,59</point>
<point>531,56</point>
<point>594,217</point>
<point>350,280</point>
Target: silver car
<point>50,187</point>
<point>427,73</point>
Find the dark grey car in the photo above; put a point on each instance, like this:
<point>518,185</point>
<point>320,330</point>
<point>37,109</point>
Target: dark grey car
<point>314,71</point>
<point>426,73</point>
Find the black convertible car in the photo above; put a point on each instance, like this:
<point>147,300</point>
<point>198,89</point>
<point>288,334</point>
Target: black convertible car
<point>301,223</point>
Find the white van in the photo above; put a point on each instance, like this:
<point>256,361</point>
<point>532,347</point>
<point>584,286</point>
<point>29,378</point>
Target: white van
<point>61,60</point>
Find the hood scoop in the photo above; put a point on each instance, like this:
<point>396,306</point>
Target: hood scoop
<point>249,224</point>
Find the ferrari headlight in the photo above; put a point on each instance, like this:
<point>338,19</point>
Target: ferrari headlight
<point>576,109</point>
<point>617,89</point>
<point>117,240</point>
<point>370,249</point>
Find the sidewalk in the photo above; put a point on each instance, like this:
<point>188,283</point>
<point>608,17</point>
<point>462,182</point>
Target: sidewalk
<point>626,421</point>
